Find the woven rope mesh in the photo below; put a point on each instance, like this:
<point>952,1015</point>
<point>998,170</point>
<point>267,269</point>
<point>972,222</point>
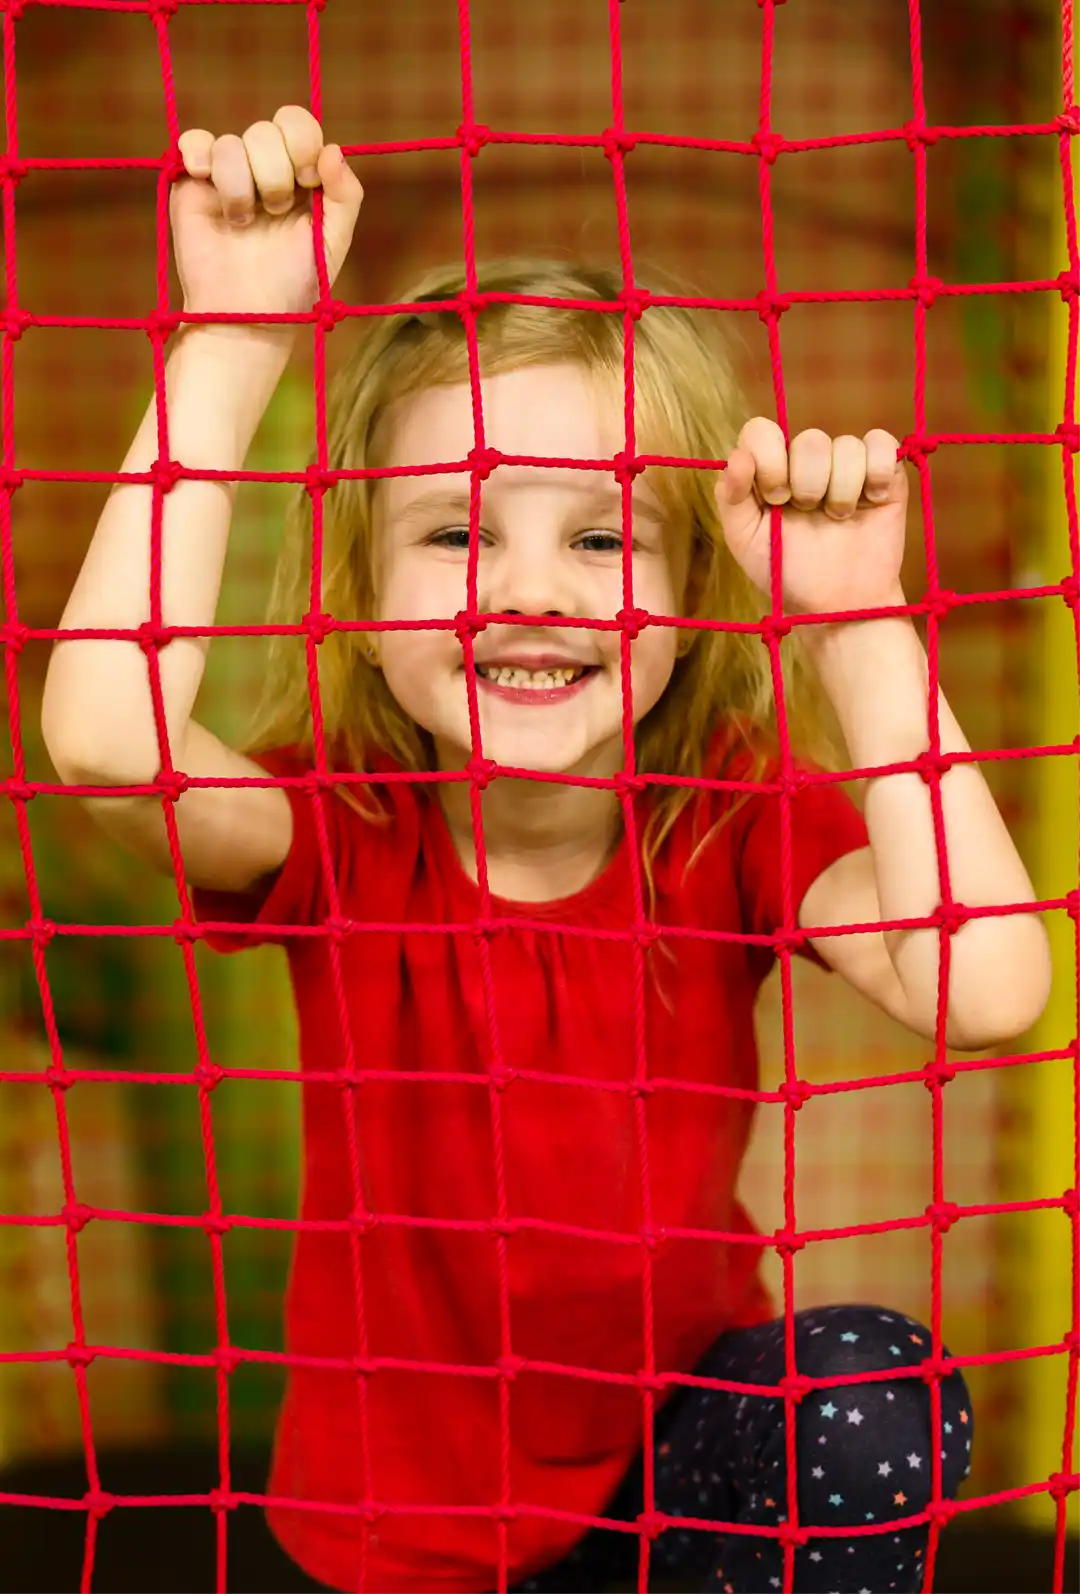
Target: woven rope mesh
<point>859,194</point>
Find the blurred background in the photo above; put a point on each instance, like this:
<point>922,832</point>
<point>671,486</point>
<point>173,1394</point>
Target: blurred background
<point>89,84</point>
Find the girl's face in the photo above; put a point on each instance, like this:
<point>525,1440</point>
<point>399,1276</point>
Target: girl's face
<point>550,697</point>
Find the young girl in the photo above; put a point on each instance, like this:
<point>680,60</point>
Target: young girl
<point>519,1186</point>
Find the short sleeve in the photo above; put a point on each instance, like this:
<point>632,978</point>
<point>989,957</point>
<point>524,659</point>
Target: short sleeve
<point>297,893</point>
<point>825,826</point>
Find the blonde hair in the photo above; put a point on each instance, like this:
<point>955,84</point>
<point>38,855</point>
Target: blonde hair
<point>687,405</point>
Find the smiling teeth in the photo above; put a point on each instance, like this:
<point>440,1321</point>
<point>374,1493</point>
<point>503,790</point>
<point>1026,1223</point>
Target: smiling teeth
<point>534,680</point>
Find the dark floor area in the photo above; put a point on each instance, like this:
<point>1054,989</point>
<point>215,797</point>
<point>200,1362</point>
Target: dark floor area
<point>170,1550</point>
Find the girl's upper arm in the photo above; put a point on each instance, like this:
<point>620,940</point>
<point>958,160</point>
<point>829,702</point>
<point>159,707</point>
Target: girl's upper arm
<point>231,837</point>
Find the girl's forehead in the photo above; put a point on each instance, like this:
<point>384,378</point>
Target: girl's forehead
<point>538,412</point>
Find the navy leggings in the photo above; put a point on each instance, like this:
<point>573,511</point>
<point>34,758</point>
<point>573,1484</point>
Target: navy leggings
<point>863,1456</point>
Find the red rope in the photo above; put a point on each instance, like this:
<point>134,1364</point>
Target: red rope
<point>923,291</point>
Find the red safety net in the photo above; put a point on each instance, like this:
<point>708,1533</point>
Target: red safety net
<point>617,142</point>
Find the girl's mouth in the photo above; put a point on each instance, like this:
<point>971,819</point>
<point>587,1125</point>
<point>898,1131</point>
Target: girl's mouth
<point>555,684</point>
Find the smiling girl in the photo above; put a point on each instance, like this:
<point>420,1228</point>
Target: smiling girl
<point>460,1269</point>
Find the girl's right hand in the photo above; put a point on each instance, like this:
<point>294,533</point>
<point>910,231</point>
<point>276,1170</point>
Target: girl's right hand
<point>241,221</point>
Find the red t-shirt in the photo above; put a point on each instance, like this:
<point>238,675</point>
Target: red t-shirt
<point>561,1008</point>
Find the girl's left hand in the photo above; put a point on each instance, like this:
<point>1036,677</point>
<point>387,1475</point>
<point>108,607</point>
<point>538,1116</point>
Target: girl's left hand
<point>845,508</point>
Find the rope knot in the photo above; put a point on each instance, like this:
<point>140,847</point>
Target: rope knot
<point>471,301</point>
<point>41,934</point>
<point>938,1074</point>
<point>616,142</point>
<point>336,927</point>
<point>16,322</point>
<point>467,626</point>
<point>150,636</point>
<point>917,446</point>
<point>775,626</point>
<point>797,1387</point>
<point>943,1214</point>
<point>472,137</point>
<point>649,1238</point>
<point>790,1534</point>
<point>98,1504</point>
<point>172,783</point>
<point>626,468</point>
<point>481,771</point>
<point>1062,1484</point>
<point>1069,433</point>
<point>318,626</point>
<point>12,169</point>
<point>786,1243</point>
<point>1068,121</point>
<point>942,1511</point>
<point>931,765</point>
<point>208,1076</point>
<point>318,478</point>
<point>650,1525</point>
<point>510,1366</point>
<point>165,473</point>
<point>1070,591</point>
<point>788,940</point>
<point>77,1217</point>
<point>14,635</point>
<point>797,1092</point>
<point>632,622</point>
<point>483,461</point>
<point>952,919</point>
<point>501,1077</point>
<point>172,165</point>
<point>926,289</point>
<point>10,480</point>
<point>1068,285</point>
<point>771,306</point>
<point>641,1090</point>
<point>768,146</point>
<point>916,133</point>
<point>15,9</point>
<point>329,312</point>
<point>217,1224</point>
<point>165,321</point>
<point>940,603</point>
<point>635,301</point>
<point>79,1355</point>
<point>164,9</point>
<point>624,780</point>
<point>20,791</point>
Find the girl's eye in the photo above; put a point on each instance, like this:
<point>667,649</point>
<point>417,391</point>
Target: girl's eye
<point>601,541</point>
<point>452,537</point>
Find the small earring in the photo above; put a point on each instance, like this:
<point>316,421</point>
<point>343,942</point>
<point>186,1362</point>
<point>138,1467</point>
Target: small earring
<point>371,653</point>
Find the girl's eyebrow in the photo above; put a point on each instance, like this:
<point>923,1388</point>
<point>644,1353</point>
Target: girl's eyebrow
<point>600,500</point>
